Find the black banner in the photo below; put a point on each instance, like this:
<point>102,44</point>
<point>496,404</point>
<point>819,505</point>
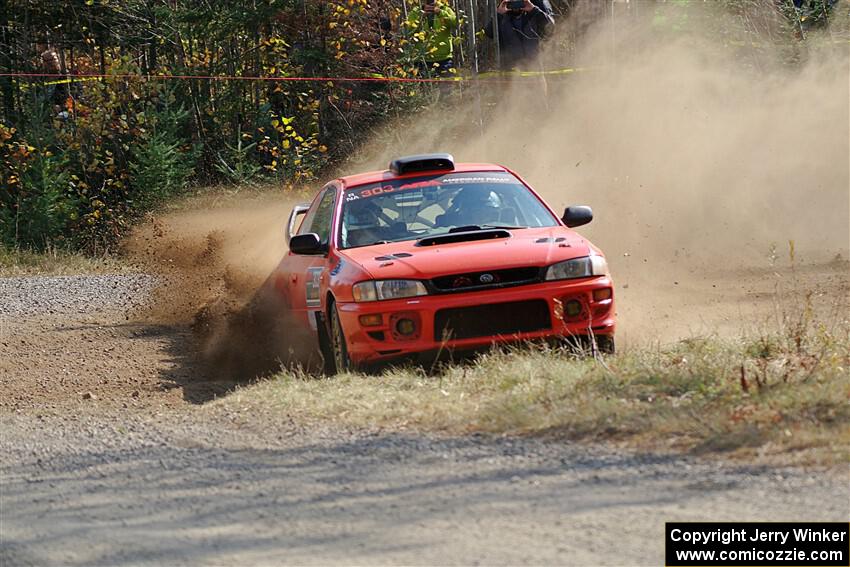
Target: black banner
<point>757,544</point>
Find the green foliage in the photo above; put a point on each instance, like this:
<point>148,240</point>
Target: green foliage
<point>162,164</point>
<point>44,208</point>
<point>236,163</point>
<point>36,207</point>
<point>39,209</point>
<point>158,170</point>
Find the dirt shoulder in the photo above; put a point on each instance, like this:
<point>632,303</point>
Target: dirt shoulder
<point>69,342</point>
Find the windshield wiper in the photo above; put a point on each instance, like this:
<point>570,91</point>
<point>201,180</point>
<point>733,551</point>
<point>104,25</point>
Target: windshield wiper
<point>474,227</point>
<point>486,226</point>
<point>368,244</point>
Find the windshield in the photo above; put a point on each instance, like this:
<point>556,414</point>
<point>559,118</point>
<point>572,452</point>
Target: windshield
<point>413,208</point>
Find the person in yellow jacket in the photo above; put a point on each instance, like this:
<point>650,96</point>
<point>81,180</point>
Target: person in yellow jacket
<point>432,23</point>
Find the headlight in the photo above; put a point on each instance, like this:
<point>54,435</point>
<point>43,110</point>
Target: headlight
<point>578,268</point>
<point>378,290</point>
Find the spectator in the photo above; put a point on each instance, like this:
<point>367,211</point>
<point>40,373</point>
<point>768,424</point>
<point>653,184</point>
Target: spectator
<point>433,21</point>
<point>522,26</point>
<point>56,90</point>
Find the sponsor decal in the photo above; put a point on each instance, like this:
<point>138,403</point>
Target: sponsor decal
<point>452,180</point>
<point>384,189</point>
<point>313,287</point>
<point>354,194</point>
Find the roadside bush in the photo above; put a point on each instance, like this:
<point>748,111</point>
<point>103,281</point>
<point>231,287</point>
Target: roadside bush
<point>35,207</point>
<point>79,179</point>
<point>237,163</point>
<point>161,166</point>
<point>45,209</point>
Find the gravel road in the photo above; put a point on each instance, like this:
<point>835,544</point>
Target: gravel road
<point>202,487</point>
<point>72,295</point>
<point>110,454</point>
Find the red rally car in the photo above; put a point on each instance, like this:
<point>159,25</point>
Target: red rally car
<point>432,256</point>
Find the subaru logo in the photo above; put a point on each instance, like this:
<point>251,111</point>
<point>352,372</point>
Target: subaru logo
<point>485,278</point>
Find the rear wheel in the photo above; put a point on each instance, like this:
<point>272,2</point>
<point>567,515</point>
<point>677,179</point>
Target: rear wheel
<point>339,348</point>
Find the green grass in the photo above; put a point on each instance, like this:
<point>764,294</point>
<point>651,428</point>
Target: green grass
<point>55,262</point>
<point>773,394</point>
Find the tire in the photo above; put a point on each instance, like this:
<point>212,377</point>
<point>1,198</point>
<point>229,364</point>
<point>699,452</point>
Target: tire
<point>328,366</point>
<point>605,344</point>
<point>339,348</point>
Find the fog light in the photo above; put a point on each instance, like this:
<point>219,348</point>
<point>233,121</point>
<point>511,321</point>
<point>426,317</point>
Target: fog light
<point>572,308</point>
<point>602,294</point>
<point>405,327</point>
<point>373,320</point>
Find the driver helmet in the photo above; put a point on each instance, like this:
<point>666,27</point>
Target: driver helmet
<point>471,198</point>
<point>363,215</point>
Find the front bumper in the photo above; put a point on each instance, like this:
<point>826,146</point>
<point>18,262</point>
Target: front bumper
<point>376,343</point>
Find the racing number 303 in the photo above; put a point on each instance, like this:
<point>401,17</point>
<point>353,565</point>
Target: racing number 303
<point>377,191</point>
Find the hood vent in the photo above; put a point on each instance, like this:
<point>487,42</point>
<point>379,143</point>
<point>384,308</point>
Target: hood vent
<point>395,256</point>
<point>545,240</point>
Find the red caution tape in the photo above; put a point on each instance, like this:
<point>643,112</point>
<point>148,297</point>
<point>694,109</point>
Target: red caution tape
<point>484,77</point>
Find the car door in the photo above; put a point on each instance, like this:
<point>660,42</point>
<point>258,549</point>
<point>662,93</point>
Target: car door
<point>306,273</point>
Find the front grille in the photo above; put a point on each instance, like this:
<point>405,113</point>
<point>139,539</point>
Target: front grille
<point>493,319</point>
<point>485,280</point>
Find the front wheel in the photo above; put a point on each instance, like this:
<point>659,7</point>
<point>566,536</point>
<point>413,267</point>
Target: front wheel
<point>605,344</point>
<point>339,348</point>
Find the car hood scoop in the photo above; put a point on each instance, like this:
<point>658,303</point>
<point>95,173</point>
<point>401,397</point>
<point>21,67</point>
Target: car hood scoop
<point>469,236</point>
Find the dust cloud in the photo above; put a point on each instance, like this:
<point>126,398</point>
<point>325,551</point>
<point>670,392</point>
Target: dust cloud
<point>680,144</point>
<point>215,257</point>
<point>701,163</point>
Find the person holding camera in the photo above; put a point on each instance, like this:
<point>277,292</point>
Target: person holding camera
<point>522,26</point>
<point>55,91</point>
<point>432,24</point>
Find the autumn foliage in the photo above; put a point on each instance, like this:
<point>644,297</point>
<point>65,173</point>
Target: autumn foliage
<point>83,157</point>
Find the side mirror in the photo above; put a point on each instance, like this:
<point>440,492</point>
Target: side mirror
<point>577,215</point>
<point>297,211</point>
<point>306,244</point>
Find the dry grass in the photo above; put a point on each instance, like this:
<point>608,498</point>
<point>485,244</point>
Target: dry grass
<point>57,262</point>
<point>774,393</point>
<point>782,392</point>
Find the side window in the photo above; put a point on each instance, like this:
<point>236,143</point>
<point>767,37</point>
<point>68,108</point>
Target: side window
<point>319,219</point>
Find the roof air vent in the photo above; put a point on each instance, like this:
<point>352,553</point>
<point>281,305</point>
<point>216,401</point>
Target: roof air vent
<point>424,162</point>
